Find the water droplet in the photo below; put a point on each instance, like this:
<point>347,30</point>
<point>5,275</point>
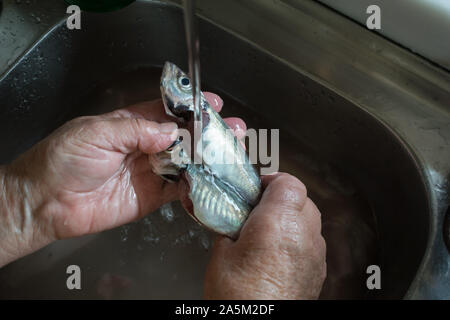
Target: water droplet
<point>167,212</point>
<point>124,233</point>
<point>204,241</point>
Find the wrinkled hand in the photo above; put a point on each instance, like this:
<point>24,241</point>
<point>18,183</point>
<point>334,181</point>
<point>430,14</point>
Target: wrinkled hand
<point>90,175</point>
<point>280,253</point>
<point>93,174</point>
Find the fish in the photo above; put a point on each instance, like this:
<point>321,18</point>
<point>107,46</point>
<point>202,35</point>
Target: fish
<point>221,190</point>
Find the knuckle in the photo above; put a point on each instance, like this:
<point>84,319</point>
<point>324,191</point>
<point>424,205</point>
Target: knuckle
<point>98,126</point>
<point>119,113</point>
<point>292,196</point>
<point>78,120</point>
<point>78,129</point>
<point>82,121</point>
<point>140,125</point>
<point>293,187</point>
<point>134,124</point>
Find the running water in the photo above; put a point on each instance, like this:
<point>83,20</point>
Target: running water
<point>193,46</point>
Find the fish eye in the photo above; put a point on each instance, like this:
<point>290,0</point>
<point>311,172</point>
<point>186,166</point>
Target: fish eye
<point>185,82</point>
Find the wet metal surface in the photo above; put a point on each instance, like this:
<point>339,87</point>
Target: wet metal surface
<point>143,259</point>
<point>362,123</point>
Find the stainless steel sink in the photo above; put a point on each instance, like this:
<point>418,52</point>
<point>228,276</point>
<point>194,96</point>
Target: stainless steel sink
<point>382,197</point>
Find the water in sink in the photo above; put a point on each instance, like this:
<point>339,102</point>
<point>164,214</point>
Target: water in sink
<point>164,255</point>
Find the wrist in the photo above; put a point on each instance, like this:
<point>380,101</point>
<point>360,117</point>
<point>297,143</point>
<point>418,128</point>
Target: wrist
<point>22,228</point>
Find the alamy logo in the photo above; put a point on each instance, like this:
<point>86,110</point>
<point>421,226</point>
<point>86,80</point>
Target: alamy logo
<point>210,150</point>
<point>374,20</point>
<point>74,280</point>
<point>74,20</point>
<point>374,280</point>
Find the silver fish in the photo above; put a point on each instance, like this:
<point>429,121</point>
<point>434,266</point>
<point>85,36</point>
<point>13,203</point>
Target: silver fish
<point>220,192</point>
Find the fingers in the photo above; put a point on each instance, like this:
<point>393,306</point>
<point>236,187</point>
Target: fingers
<point>279,215</point>
<point>214,100</point>
<point>154,111</point>
<point>238,126</point>
<point>127,135</point>
<point>280,253</point>
<point>283,189</point>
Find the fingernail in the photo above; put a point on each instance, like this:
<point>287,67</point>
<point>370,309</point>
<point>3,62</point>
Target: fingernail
<point>239,133</point>
<point>168,127</point>
<point>218,101</point>
<point>214,99</point>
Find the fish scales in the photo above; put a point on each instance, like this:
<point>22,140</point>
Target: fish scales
<point>222,191</point>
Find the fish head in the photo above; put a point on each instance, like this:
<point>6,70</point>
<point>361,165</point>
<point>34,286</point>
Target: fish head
<point>176,92</point>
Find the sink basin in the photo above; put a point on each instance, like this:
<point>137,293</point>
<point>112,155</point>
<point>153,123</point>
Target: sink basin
<point>368,184</point>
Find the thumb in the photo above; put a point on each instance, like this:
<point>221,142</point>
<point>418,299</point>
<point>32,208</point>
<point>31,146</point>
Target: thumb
<point>277,218</point>
<point>127,135</point>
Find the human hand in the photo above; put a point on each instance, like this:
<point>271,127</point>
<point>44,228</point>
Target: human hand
<point>280,253</point>
<point>90,175</point>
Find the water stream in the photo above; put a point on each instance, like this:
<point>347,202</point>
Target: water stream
<point>193,45</point>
